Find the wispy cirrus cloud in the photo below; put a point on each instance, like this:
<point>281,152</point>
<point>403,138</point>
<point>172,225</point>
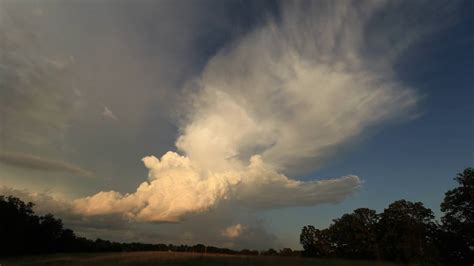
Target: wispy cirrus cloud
<point>33,162</point>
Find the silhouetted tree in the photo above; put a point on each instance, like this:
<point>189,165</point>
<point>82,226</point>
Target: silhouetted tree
<point>406,232</point>
<point>354,235</point>
<point>316,243</point>
<point>67,241</point>
<point>50,230</point>
<point>457,232</point>
<point>287,252</point>
<point>18,226</point>
<point>199,248</point>
<point>270,252</point>
<point>248,252</point>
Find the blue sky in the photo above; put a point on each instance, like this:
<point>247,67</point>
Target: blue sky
<point>375,97</point>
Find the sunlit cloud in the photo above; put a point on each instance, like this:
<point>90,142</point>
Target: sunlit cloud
<point>281,100</point>
<point>177,186</point>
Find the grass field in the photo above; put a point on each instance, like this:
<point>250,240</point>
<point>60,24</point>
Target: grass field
<point>175,259</point>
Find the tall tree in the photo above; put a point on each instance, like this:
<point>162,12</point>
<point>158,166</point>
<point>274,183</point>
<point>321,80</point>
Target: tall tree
<point>18,225</point>
<point>316,243</point>
<point>354,235</point>
<point>457,236</point>
<point>51,231</point>
<point>406,232</point>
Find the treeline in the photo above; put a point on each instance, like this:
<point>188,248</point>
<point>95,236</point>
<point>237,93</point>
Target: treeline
<point>405,231</point>
<point>24,232</point>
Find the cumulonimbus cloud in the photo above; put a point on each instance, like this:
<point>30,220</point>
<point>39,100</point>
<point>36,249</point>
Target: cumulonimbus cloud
<point>279,101</point>
<point>178,186</point>
<point>34,162</point>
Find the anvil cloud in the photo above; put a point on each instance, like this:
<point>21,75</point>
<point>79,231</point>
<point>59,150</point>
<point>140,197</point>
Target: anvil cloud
<point>277,102</point>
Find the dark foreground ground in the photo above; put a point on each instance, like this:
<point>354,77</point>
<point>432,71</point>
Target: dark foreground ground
<point>175,259</point>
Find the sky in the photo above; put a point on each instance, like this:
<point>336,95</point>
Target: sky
<point>231,123</point>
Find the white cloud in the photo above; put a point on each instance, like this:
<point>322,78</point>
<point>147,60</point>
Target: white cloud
<point>292,92</point>
<point>178,187</point>
<point>279,101</point>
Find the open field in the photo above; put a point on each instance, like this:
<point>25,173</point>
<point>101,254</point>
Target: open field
<point>175,259</point>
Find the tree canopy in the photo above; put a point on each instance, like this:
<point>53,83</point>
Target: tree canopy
<point>457,237</point>
<point>405,231</point>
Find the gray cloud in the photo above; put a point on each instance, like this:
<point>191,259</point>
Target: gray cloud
<point>33,162</point>
<point>60,62</point>
<point>44,203</point>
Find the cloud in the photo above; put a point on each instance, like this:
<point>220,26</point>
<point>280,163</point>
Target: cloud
<point>178,187</point>
<point>280,101</point>
<point>33,162</point>
<point>44,203</point>
<point>262,187</point>
<point>295,91</point>
<point>104,226</point>
<point>255,234</point>
<point>108,113</point>
<point>233,231</point>
<point>189,232</point>
<point>33,102</point>
<point>52,84</point>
